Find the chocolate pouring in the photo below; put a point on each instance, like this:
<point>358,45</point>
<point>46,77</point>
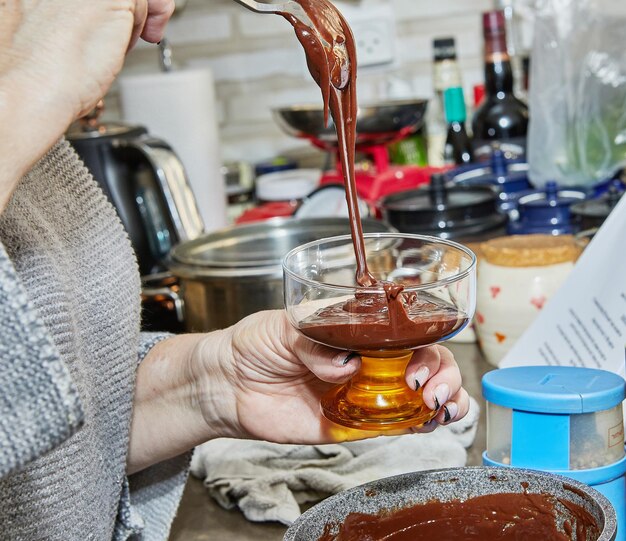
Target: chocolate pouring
<point>331,57</point>
<point>574,511</point>
<point>395,320</point>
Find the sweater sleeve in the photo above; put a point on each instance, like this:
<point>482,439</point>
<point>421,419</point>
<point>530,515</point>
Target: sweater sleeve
<point>39,404</point>
<point>150,497</point>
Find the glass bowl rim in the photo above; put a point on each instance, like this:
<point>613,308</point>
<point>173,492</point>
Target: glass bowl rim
<point>408,289</point>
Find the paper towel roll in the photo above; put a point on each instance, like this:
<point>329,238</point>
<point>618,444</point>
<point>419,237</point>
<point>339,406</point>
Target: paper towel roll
<point>179,107</point>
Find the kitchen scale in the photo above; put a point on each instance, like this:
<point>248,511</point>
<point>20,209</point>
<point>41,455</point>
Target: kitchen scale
<point>378,125</point>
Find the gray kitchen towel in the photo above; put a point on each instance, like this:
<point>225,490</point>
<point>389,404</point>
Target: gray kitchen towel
<point>269,481</point>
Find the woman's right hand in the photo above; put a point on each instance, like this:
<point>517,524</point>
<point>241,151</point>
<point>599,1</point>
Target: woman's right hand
<point>72,50</point>
<point>57,59</point>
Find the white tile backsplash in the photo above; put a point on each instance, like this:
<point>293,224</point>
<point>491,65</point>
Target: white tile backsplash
<point>251,26</point>
<point>415,42</point>
<point>202,27</point>
<point>439,9</point>
<point>249,66</point>
<point>258,106</point>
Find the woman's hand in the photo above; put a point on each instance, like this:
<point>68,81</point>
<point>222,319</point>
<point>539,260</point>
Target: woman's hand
<point>260,379</point>
<point>279,376</point>
<point>57,59</point>
<point>72,50</point>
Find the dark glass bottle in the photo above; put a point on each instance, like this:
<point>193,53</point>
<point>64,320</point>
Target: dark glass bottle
<point>501,117</point>
<point>458,148</point>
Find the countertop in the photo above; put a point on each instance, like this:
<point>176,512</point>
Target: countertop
<point>200,518</point>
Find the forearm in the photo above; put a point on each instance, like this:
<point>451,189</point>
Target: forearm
<point>31,122</point>
<point>182,398</point>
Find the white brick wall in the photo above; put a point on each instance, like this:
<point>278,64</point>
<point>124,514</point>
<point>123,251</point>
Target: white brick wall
<point>258,63</point>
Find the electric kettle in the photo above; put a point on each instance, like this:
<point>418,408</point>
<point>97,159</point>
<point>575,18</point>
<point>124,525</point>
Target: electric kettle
<point>146,183</point>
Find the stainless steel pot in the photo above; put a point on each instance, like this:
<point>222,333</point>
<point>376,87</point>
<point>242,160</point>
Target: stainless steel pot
<point>227,275</point>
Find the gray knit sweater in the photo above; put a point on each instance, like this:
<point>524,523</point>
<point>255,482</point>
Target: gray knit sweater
<point>69,347</point>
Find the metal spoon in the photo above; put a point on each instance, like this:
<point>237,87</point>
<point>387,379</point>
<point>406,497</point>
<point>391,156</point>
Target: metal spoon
<point>276,6</point>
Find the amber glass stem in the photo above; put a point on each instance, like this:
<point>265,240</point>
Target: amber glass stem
<point>381,374</point>
<point>378,397</point>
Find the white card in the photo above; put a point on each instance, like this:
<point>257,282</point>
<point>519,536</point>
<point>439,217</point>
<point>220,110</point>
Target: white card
<point>584,323</point>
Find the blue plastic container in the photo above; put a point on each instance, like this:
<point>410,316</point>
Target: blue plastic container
<point>560,419</point>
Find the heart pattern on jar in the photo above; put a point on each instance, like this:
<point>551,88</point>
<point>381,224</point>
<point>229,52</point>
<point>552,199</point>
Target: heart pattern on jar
<point>538,302</point>
<point>495,291</point>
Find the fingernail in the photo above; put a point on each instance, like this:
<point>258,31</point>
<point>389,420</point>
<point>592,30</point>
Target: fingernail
<point>421,376</point>
<point>450,411</point>
<point>446,415</point>
<point>349,357</point>
<point>442,393</point>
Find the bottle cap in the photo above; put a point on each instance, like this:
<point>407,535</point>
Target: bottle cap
<point>454,104</point>
<point>444,49</point>
<point>494,23</point>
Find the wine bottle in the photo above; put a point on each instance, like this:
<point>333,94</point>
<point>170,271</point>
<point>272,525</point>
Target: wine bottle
<point>458,148</point>
<point>502,116</point>
<point>446,74</point>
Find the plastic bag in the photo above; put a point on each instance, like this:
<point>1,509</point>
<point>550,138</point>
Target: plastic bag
<point>577,133</point>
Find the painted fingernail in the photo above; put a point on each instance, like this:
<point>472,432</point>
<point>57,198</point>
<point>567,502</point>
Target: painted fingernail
<point>421,376</point>
<point>450,411</point>
<point>446,415</point>
<point>442,393</point>
<point>349,357</point>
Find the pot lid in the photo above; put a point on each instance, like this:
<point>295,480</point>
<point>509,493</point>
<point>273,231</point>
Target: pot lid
<point>498,172</point>
<point>328,200</point>
<point>602,206</point>
<point>551,197</point>
<point>438,199</point>
<point>440,207</point>
<point>262,244</point>
<point>546,211</point>
<point>287,185</point>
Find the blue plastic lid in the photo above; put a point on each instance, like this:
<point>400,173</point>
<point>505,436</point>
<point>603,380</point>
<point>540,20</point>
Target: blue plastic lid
<point>546,211</point>
<point>554,389</point>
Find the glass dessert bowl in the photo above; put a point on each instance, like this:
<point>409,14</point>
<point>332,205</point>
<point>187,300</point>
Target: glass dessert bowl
<point>424,293</point>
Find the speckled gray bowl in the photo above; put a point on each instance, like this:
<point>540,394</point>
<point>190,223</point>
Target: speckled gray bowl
<point>451,484</point>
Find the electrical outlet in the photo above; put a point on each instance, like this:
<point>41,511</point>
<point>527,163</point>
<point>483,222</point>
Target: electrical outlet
<point>374,42</point>
<point>373,27</point>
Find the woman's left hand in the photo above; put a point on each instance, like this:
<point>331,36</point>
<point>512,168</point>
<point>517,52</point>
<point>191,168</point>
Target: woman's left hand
<point>278,377</point>
<point>261,379</point>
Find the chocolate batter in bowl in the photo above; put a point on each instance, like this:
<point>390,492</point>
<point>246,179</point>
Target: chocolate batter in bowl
<point>462,504</point>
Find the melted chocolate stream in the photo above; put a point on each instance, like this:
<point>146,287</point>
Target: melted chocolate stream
<point>331,57</point>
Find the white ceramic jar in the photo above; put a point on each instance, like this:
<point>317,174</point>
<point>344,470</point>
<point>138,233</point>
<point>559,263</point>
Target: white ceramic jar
<point>517,276</point>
